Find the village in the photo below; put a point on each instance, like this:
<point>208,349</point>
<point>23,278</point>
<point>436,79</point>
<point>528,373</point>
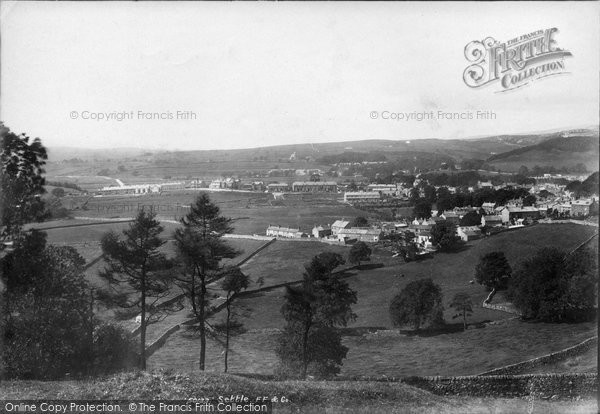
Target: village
<point>543,201</point>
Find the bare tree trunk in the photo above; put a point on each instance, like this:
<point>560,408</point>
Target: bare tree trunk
<point>227,333</point>
<point>193,293</point>
<point>201,317</point>
<point>143,328</point>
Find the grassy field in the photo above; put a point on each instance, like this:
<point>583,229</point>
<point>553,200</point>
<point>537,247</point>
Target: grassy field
<point>391,353</point>
<point>587,362</point>
<point>484,346</point>
<point>252,212</point>
<point>303,396</point>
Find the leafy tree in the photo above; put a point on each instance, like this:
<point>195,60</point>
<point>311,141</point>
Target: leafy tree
<point>233,283</point>
<point>493,271</point>
<point>408,251</point>
<point>359,252</point>
<point>135,263</point>
<point>21,181</point>
<point>472,218</point>
<point>50,329</point>
<point>461,303</point>
<point>418,304</point>
<point>554,286</point>
<point>322,349</point>
<point>422,209</point>
<point>114,349</point>
<point>529,200</point>
<point>58,192</point>
<point>444,200</point>
<point>312,311</point>
<point>430,194</point>
<point>360,222</point>
<point>443,235</point>
<point>415,195</point>
<point>200,249</point>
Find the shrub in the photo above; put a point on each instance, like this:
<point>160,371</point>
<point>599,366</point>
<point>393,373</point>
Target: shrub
<point>418,304</point>
<point>553,286</point>
<point>114,349</point>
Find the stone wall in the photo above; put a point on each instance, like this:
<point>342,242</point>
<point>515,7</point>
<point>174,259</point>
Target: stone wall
<point>544,386</point>
<point>521,367</point>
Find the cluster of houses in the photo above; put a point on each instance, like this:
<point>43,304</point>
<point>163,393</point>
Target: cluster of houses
<point>493,218</point>
<point>340,231</point>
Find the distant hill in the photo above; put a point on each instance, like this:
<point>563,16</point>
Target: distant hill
<point>507,152</point>
<point>562,151</point>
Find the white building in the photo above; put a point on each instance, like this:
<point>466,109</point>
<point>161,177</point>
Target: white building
<point>369,235</point>
<point>286,232</point>
<point>361,196</point>
<point>339,225</point>
<point>467,233</point>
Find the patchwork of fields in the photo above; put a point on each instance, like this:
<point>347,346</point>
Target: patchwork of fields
<point>391,352</point>
<point>383,351</point>
<point>252,212</point>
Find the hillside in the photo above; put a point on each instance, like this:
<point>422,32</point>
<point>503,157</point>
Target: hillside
<point>508,152</point>
<point>562,151</point>
<point>302,396</point>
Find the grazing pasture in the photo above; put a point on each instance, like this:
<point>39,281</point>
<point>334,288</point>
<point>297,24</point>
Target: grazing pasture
<point>391,352</point>
<point>252,212</point>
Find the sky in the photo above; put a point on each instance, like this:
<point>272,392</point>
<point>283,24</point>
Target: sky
<point>258,74</point>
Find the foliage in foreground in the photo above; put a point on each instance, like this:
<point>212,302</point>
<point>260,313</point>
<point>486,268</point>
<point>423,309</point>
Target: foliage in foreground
<point>49,328</point>
<point>417,305</point>
<point>493,271</point>
<point>310,342</point>
<point>304,396</point>
<point>554,286</point>
<point>134,261</point>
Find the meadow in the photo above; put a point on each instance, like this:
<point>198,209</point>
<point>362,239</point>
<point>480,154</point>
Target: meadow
<point>494,338</point>
<point>252,212</point>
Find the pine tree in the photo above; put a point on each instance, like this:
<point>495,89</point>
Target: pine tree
<point>200,249</point>
<point>135,262</point>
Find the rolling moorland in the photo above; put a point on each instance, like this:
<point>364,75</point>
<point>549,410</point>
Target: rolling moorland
<point>507,152</point>
<point>376,349</point>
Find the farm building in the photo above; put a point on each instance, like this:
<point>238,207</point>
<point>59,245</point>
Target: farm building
<point>320,232</point>
<point>361,196</point>
<point>287,232</point>
<point>513,213</point>
<point>339,225</point>
<point>314,187</point>
<point>491,220</point>
<point>368,235</point>
<point>467,233</point>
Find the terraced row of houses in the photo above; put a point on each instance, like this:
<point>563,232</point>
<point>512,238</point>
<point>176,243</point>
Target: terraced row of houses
<point>340,231</point>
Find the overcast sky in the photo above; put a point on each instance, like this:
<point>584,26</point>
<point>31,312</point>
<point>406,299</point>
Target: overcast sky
<point>258,74</point>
